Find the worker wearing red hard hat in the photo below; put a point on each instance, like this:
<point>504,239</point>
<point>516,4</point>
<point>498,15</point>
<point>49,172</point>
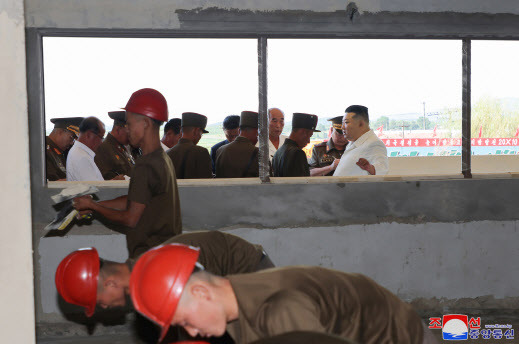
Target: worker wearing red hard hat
<point>151,210</point>
<point>83,279</point>
<point>263,304</point>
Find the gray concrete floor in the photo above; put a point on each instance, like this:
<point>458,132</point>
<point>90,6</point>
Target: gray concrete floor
<point>132,339</point>
<point>112,339</point>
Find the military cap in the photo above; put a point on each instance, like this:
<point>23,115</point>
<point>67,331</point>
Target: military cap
<point>305,121</point>
<point>337,123</point>
<point>119,117</point>
<point>69,123</point>
<point>249,119</point>
<point>193,119</point>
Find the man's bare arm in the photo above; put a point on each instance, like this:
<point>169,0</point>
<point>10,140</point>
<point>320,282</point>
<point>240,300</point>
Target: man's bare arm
<point>120,203</point>
<point>128,216</point>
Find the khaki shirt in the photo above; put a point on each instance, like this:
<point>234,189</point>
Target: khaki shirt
<point>113,159</point>
<point>290,161</point>
<point>190,161</point>
<point>154,184</point>
<point>352,306</point>
<point>221,253</point>
<point>55,161</point>
<point>323,155</point>
<point>238,159</point>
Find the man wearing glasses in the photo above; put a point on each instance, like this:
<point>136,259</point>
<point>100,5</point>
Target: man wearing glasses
<point>80,159</point>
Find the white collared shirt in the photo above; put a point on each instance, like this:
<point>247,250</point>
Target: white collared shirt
<point>369,147</point>
<point>164,146</point>
<point>272,148</point>
<point>81,165</point>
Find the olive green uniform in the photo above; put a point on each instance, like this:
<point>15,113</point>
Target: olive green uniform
<point>113,159</point>
<point>351,306</point>
<point>55,160</point>
<point>190,161</point>
<point>153,184</point>
<point>323,155</point>
<point>238,159</point>
<point>221,253</point>
<point>290,161</point>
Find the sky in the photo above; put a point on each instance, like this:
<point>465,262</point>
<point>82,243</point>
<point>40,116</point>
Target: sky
<point>218,77</point>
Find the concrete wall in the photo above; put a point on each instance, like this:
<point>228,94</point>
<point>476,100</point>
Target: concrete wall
<point>163,13</point>
<point>423,239</point>
<point>427,260</point>
<point>16,296</point>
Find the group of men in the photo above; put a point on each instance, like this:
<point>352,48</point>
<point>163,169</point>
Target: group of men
<point>351,149</point>
<point>77,149</point>
<point>214,284</point>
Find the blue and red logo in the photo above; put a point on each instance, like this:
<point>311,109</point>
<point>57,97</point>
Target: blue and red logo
<point>455,327</point>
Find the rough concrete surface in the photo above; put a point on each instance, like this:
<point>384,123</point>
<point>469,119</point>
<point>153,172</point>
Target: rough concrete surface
<point>16,297</point>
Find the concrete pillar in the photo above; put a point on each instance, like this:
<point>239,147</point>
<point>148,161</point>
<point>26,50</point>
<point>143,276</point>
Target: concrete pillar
<point>16,268</point>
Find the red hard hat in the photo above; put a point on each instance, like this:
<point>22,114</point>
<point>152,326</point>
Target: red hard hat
<point>150,103</point>
<point>158,279</point>
<point>76,278</point>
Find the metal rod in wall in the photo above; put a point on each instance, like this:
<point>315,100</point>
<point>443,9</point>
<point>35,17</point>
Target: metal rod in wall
<point>466,109</point>
<point>264,166</point>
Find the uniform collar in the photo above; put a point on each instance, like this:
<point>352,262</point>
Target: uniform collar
<point>243,139</point>
<point>110,138</point>
<point>185,141</point>
<point>331,146</point>
<point>290,142</point>
<point>53,145</point>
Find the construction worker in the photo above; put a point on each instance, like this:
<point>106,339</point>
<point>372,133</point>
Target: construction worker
<point>190,160</point>
<point>57,144</point>
<point>84,279</point>
<point>263,304</point>
<point>151,210</point>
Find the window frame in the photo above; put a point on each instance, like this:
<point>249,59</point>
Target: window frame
<point>36,98</point>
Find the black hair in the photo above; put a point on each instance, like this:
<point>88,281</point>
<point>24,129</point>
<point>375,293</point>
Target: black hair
<point>173,124</point>
<point>359,111</point>
<point>90,124</point>
<point>231,122</point>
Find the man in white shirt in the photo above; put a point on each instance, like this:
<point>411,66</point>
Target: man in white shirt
<point>80,159</point>
<point>365,153</point>
<point>276,125</point>
<point>171,134</point>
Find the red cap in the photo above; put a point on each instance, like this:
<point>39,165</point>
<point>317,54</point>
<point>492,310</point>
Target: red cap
<point>158,279</point>
<point>76,278</point>
<point>150,103</point>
